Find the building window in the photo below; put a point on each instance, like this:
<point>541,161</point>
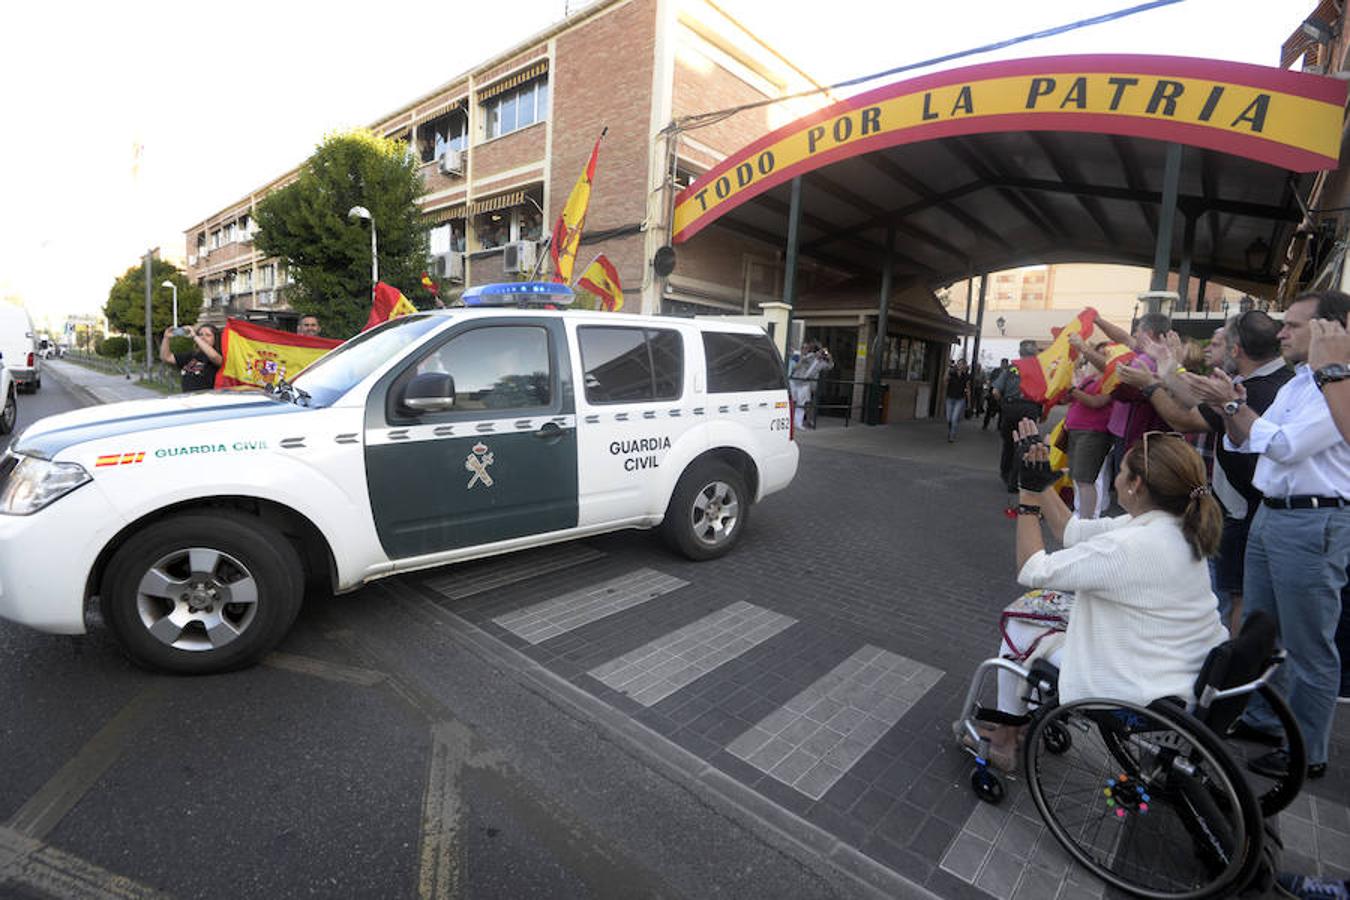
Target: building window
<point>905,358</point>
<point>447,237</point>
<point>516,223</point>
<point>244,283</point>
<point>517,108</point>
<point>445,132</point>
<point>268,276</point>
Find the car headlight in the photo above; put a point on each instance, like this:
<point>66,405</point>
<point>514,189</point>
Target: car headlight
<point>33,483</point>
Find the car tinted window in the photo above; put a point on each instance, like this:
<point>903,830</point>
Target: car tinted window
<point>742,362</point>
<point>342,368</point>
<point>499,367</point>
<point>631,365</point>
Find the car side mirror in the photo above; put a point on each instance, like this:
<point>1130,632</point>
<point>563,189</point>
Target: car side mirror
<point>430,392</point>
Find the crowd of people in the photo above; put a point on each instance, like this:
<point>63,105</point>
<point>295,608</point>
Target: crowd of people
<point>1231,464</point>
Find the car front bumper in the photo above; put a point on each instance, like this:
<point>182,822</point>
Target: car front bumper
<point>45,560</point>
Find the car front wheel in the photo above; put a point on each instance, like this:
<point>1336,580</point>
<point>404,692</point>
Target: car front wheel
<point>708,511</point>
<point>202,592</point>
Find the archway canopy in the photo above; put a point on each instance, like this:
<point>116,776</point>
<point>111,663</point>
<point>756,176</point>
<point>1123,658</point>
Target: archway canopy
<point>1053,159</point>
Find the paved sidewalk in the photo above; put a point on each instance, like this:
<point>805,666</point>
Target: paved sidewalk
<point>102,388</point>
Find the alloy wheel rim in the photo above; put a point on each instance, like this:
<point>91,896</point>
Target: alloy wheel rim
<point>197,599</point>
<point>715,514</point>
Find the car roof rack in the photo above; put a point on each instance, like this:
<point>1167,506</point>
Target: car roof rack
<point>520,294</point>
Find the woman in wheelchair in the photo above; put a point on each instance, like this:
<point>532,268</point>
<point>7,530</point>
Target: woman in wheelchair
<point>1143,617</point>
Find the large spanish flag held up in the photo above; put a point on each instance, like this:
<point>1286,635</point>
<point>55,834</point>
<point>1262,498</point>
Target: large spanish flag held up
<point>601,278</point>
<point>1048,374</point>
<point>389,304</point>
<point>566,236</point>
<point>256,355</point>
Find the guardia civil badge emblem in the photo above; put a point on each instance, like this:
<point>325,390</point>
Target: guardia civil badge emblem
<point>477,463</point>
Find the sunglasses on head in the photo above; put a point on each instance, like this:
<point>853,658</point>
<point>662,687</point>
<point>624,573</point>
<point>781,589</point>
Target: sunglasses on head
<point>1149,434</point>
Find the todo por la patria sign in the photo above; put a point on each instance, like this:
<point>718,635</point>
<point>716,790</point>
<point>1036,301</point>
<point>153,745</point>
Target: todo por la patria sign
<point>1287,119</point>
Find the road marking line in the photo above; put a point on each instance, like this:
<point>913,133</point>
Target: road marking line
<point>513,568</point>
<point>441,851</point>
<point>661,667</point>
<point>543,621</point>
<point>63,790</point>
<point>818,735</point>
<point>308,665</point>
<point>29,862</point>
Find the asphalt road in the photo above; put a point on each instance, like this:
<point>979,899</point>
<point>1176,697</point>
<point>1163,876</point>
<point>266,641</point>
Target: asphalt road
<point>380,754</point>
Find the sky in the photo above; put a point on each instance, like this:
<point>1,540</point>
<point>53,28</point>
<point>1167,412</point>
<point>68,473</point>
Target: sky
<point>223,97</point>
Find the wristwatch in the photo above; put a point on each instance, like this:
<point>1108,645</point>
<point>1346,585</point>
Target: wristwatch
<point>1148,391</point>
<point>1327,374</point>
<point>1231,408</point>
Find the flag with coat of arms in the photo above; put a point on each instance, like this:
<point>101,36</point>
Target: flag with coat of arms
<point>257,355</point>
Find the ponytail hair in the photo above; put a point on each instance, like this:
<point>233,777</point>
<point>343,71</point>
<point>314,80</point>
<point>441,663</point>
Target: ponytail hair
<point>1175,477</point>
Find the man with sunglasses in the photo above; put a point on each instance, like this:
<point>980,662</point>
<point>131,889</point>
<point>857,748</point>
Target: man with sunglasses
<point>1298,550</point>
<point>1249,349</point>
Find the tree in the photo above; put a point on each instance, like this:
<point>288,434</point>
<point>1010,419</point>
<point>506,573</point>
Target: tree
<point>326,252</point>
<point>125,309</point>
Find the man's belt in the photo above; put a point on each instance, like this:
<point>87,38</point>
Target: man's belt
<point>1304,501</point>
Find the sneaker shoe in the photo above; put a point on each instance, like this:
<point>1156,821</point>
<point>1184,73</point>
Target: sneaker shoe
<point>1244,732</point>
<point>1305,887</point>
<point>1275,764</point>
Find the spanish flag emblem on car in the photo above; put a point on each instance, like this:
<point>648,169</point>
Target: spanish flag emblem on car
<point>119,459</point>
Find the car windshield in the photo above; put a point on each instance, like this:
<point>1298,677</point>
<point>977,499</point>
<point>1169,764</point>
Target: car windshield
<point>335,373</point>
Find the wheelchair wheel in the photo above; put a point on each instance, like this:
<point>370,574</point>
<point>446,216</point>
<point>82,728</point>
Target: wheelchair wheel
<point>1145,798</point>
<point>986,785</point>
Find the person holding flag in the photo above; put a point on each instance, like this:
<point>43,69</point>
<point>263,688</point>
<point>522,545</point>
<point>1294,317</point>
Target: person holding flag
<point>256,355</point>
<point>566,235</point>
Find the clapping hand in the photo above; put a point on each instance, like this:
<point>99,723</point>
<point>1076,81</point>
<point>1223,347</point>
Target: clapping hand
<point>1034,474</point>
<point>1329,344</point>
<point>1216,389</point>
<point>1135,376</point>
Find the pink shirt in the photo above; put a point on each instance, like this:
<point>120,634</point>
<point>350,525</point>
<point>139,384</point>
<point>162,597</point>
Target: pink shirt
<point>1082,417</point>
<point>1121,409</point>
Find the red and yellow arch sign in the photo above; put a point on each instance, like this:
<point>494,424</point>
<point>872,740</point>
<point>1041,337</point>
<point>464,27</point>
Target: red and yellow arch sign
<point>1287,119</point>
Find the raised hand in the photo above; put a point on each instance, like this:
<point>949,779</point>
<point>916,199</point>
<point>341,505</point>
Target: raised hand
<point>1216,389</point>
<point>1329,343</point>
<point>1136,376</point>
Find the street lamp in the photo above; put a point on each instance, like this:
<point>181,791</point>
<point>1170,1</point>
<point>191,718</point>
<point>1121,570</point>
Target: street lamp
<point>173,287</point>
<point>360,212</point>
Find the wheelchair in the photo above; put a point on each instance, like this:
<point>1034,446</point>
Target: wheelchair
<point>1149,798</point>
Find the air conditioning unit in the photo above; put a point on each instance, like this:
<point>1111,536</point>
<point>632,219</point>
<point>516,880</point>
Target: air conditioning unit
<point>245,236</point>
<point>518,257</point>
<point>452,162</point>
<point>450,266</point>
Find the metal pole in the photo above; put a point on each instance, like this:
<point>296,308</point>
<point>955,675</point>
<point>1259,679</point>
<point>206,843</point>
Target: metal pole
<point>149,264</point>
<point>970,295</point>
<point>374,261</point>
<point>872,415</point>
<point>1162,250</point>
<point>1184,270</point>
<point>1200,292</point>
<point>174,288</point>
<point>979,318</point>
<point>790,264</point>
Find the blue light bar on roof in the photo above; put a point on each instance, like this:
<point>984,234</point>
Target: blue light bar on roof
<point>519,293</point>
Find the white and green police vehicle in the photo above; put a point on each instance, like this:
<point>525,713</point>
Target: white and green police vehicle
<point>193,525</point>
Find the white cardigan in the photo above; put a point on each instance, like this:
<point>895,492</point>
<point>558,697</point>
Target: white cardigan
<point>1144,617</point>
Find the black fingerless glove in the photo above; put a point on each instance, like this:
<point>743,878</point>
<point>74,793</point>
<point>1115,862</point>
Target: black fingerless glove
<point>1035,475</point>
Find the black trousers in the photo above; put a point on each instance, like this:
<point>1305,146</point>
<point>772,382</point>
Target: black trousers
<point>1010,414</point>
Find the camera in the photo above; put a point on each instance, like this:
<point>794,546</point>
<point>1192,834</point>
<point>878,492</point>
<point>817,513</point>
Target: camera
<point>181,331</point>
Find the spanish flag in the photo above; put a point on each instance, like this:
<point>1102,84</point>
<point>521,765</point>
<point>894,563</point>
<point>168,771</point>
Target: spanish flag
<point>1047,375</point>
<point>255,355</point>
<point>567,230</point>
<point>1116,355</point>
<point>602,280</point>
<point>432,287</point>
<point>389,304</point>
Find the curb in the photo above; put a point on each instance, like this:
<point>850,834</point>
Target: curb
<point>82,393</point>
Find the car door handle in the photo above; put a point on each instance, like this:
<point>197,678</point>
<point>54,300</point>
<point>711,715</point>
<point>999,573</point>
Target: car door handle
<point>549,432</point>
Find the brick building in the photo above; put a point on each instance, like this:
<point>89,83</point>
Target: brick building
<point>502,144</point>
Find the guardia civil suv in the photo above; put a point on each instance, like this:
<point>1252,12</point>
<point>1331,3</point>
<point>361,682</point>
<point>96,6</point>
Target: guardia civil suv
<point>192,525</point>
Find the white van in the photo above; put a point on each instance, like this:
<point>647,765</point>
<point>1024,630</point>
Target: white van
<point>194,522</point>
<point>18,343</point>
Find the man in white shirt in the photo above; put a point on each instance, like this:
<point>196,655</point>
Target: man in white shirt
<point>1299,547</point>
